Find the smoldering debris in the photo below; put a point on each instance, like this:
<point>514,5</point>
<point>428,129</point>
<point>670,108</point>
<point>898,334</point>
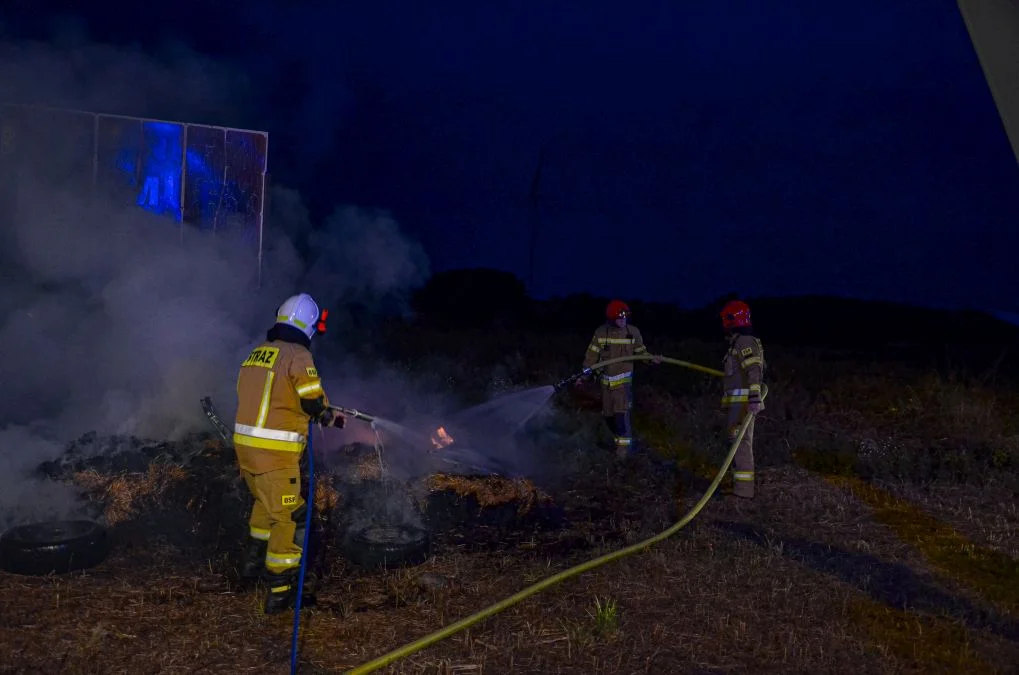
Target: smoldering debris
<point>113,454</point>
<point>183,491</point>
<point>492,490</point>
<point>123,492</point>
<point>190,495</point>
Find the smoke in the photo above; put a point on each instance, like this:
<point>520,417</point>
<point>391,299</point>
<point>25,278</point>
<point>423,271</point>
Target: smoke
<point>359,260</point>
<point>364,256</point>
<point>173,83</point>
<point>118,321</point>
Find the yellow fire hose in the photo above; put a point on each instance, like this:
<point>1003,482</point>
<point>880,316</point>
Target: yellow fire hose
<point>491,610</point>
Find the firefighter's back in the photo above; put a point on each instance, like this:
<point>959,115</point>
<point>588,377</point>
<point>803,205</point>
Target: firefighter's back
<point>270,427</point>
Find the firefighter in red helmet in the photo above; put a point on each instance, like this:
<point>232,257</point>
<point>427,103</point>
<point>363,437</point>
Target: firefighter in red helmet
<point>613,339</point>
<point>744,374</point>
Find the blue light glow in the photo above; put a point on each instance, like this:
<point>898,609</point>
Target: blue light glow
<point>214,194</point>
<point>220,171</point>
<point>161,164</point>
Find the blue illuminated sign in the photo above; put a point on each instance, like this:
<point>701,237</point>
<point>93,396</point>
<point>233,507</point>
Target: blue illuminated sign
<point>161,161</point>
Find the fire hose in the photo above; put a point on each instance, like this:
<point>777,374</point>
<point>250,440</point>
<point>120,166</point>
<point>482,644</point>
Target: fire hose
<point>349,412</point>
<point>562,384</point>
<point>491,610</point>
<point>310,506</point>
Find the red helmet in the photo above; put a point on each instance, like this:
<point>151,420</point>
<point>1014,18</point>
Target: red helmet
<point>616,310</point>
<point>735,314</point>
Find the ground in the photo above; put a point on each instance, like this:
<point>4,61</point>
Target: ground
<point>883,540</point>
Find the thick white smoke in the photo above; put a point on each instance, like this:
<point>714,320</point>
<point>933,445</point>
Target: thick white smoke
<point>113,321</point>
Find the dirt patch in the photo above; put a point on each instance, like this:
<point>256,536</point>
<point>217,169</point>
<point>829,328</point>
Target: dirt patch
<point>994,575</point>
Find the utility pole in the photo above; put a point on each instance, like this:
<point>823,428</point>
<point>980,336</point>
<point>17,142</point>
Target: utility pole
<point>535,189</point>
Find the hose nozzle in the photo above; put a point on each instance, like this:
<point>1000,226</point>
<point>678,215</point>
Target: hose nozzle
<point>356,414</point>
<point>566,382</point>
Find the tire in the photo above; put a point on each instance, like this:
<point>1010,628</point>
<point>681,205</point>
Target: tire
<point>55,547</point>
<point>385,545</point>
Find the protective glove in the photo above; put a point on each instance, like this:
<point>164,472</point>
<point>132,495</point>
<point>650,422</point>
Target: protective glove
<point>656,358</point>
<point>332,418</point>
<point>584,376</point>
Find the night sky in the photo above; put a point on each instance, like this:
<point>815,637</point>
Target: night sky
<point>690,149</point>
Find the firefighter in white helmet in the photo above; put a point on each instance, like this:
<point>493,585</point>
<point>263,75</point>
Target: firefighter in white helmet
<point>278,393</point>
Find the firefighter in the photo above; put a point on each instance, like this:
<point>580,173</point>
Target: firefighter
<point>744,366</point>
<point>278,393</point>
<point>614,339</point>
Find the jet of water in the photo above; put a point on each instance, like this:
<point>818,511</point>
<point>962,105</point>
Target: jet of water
<point>505,414</point>
<point>489,433</point>
<point>404,433</point>
<point>418,456</point>
<point>483,437</point>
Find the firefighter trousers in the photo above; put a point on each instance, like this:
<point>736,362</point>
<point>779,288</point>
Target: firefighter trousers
<point>616,405</point>
<point>278,506</point>
<point>743,460</point>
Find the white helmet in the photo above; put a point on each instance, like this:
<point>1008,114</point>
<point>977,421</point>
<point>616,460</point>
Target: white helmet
<point>301,312</point>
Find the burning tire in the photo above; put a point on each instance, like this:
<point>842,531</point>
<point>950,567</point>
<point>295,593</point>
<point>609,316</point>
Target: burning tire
<point>388,546</point>
<point>55,547</point>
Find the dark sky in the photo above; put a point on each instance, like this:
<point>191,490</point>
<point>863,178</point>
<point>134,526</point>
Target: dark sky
<point>691,149</point>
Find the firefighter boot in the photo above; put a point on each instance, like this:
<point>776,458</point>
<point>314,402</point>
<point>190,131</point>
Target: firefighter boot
<point>253,562</point>
<point>282,591</point>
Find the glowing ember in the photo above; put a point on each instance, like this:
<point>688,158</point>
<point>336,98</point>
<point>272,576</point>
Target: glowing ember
<point>441,439</point>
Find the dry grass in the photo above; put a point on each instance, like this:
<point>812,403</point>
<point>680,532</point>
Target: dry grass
<point>327,497</point>
<point>491,490</point>
<point>368,467</point>
<point>882,541</point>
<point>125,493</point>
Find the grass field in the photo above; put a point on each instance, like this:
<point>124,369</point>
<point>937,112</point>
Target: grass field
<point>883,540</point>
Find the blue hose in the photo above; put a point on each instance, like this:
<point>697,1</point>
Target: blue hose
<point>304,552</point>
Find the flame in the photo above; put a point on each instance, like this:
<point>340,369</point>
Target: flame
<point>441,439</point>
